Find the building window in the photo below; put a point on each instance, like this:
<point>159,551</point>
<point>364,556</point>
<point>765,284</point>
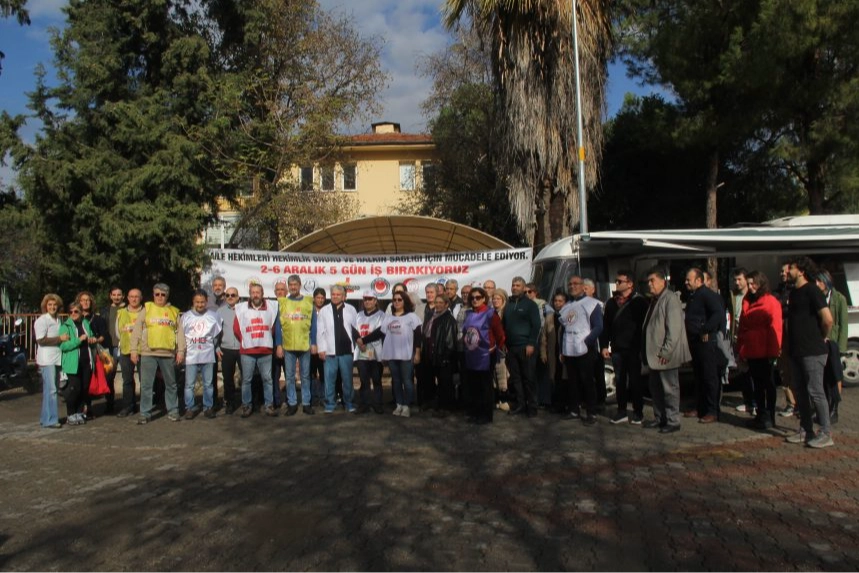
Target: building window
<point>428,175</point>
<point>350,177</point>
<point>407,176</point>
<point>327,174</point>
<point>306,183</point>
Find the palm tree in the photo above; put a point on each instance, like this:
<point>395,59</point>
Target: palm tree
<point>534,74</point>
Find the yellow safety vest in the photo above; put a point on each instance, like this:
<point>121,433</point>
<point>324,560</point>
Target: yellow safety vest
<point>161,326</point>
<point>125,320</point>
<point>296,317</point>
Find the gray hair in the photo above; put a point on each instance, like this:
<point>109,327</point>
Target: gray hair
<point>518,280</point>
<point>434,286</point>
<point>162,287</point>
<point>453,282</point>
<point>588,282</point>
<point>338,288</point>
<point>293,279</point>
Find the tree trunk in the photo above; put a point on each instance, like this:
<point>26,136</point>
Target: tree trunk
<point>542,216</point>
<point>558,213</point>
<point>815,188</point>
<point>712,185</point>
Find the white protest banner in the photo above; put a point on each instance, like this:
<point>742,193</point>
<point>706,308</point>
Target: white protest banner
<point>357,273</point>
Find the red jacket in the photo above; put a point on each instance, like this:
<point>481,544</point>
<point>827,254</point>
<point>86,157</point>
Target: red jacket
<point>759,335</point>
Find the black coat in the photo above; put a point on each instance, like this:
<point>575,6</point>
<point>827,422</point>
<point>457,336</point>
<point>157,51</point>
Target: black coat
<point>443,332</point>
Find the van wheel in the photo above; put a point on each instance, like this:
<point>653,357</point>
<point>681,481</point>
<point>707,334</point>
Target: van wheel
<point>850,363</point>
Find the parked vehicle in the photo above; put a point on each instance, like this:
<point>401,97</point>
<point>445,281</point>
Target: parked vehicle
<point>832,241</point>
<point>14,370</point>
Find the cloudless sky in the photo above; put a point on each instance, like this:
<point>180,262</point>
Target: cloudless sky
<point>408,29</point>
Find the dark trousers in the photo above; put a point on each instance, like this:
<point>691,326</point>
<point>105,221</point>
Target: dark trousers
<point>277,367</point>
<point>747,386</point>
<point>425,383</point>
<point>627,379</point>
<point>580,371</point>
<point>370,374</point>
<point>599,375</point>
<point>77,390</point>
<point>214,383</point>
<point>442,375</point>
<point>523,370</point>
<point>110,397</point>
<point>481,395</point>
<point>229,363</point>
<point>706,382</point>
<point>833,373</point>
<point>761,373</point>
<point>128,388</point>
<point>317,380</point>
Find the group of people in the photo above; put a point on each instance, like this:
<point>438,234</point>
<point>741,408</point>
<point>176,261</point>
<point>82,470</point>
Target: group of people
<point>480,349</point>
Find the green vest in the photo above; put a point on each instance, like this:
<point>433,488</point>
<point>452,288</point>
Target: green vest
<point>295,321</point>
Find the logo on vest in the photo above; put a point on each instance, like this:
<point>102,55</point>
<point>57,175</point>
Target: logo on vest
<point>471,338</point>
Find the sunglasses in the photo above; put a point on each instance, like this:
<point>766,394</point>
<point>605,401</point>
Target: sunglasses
<point>477,297</point>
<point>528,291</point>
<point>228,295</point>
<point>160,294</point>
<point>74,312</point>
<point>398,300</point>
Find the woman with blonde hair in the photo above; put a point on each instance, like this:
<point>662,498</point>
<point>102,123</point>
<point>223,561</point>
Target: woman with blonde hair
<point>500,374</point>
<point>47,332</point>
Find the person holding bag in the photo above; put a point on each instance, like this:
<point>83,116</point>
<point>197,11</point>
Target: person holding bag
<point>77,363</point>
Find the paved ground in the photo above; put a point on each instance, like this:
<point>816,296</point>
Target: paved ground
<point>344,492</point>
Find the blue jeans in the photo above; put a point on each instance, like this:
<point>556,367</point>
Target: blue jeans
<point>333,364</point>
<point>261,362</point>
<point>148,366</point>
<point>290,358</point>
<point>401,380</point>
<point>190,380</point>
<point>49,416</point>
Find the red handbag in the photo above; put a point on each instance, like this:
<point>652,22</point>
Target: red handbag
<point>98,382</point>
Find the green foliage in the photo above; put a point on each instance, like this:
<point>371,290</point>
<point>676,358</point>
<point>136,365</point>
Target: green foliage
<point>19,243</point>
<point>769,85</point>
<point>652,177</point>
<point>162,108</point>
<point>466,188</point>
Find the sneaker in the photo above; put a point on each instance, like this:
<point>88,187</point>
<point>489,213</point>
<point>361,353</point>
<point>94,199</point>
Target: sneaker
<point>209,413</point>
<point>190,413</point>
<point>787,412</point>
<point>174,417</point>
<point>270,411</point>
<point>796,438</point>
<point>398,410</point>
<point>620,417</point>
<point>572,415</point>
<point>504,406</point>
<point>404,413</point>
<point>821,440</point>
<point>636,419</point>
<point>742,408</point>
<point>352,410</point>
<point>142,420</point>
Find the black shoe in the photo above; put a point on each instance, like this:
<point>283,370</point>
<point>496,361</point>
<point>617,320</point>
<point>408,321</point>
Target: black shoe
<point>291,410</point>
<point>125,412</point>
<point>378,409</point>
<point>653,424</point>
<point>572,415</point>
<point>590,420</point>
<point>108,409</point>
<point>229,409</point>
<point>308,410</point>
<point>669,429</point>
<point>517,411</point>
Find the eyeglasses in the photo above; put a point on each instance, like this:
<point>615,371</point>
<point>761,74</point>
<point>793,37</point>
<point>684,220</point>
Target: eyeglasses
<point>528,291</point>
<point>477,297</point>
<point>230,295</point>
<point>398,300</point>
<point>74,312</point>
<point>160,294</point>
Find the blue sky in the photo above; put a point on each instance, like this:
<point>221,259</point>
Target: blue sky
<point>408,28</point>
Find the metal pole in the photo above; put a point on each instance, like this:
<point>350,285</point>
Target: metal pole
<point>583,202</point>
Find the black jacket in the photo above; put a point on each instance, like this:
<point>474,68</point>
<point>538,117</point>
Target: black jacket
<point>443,332</point>
<point>622,326</point>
